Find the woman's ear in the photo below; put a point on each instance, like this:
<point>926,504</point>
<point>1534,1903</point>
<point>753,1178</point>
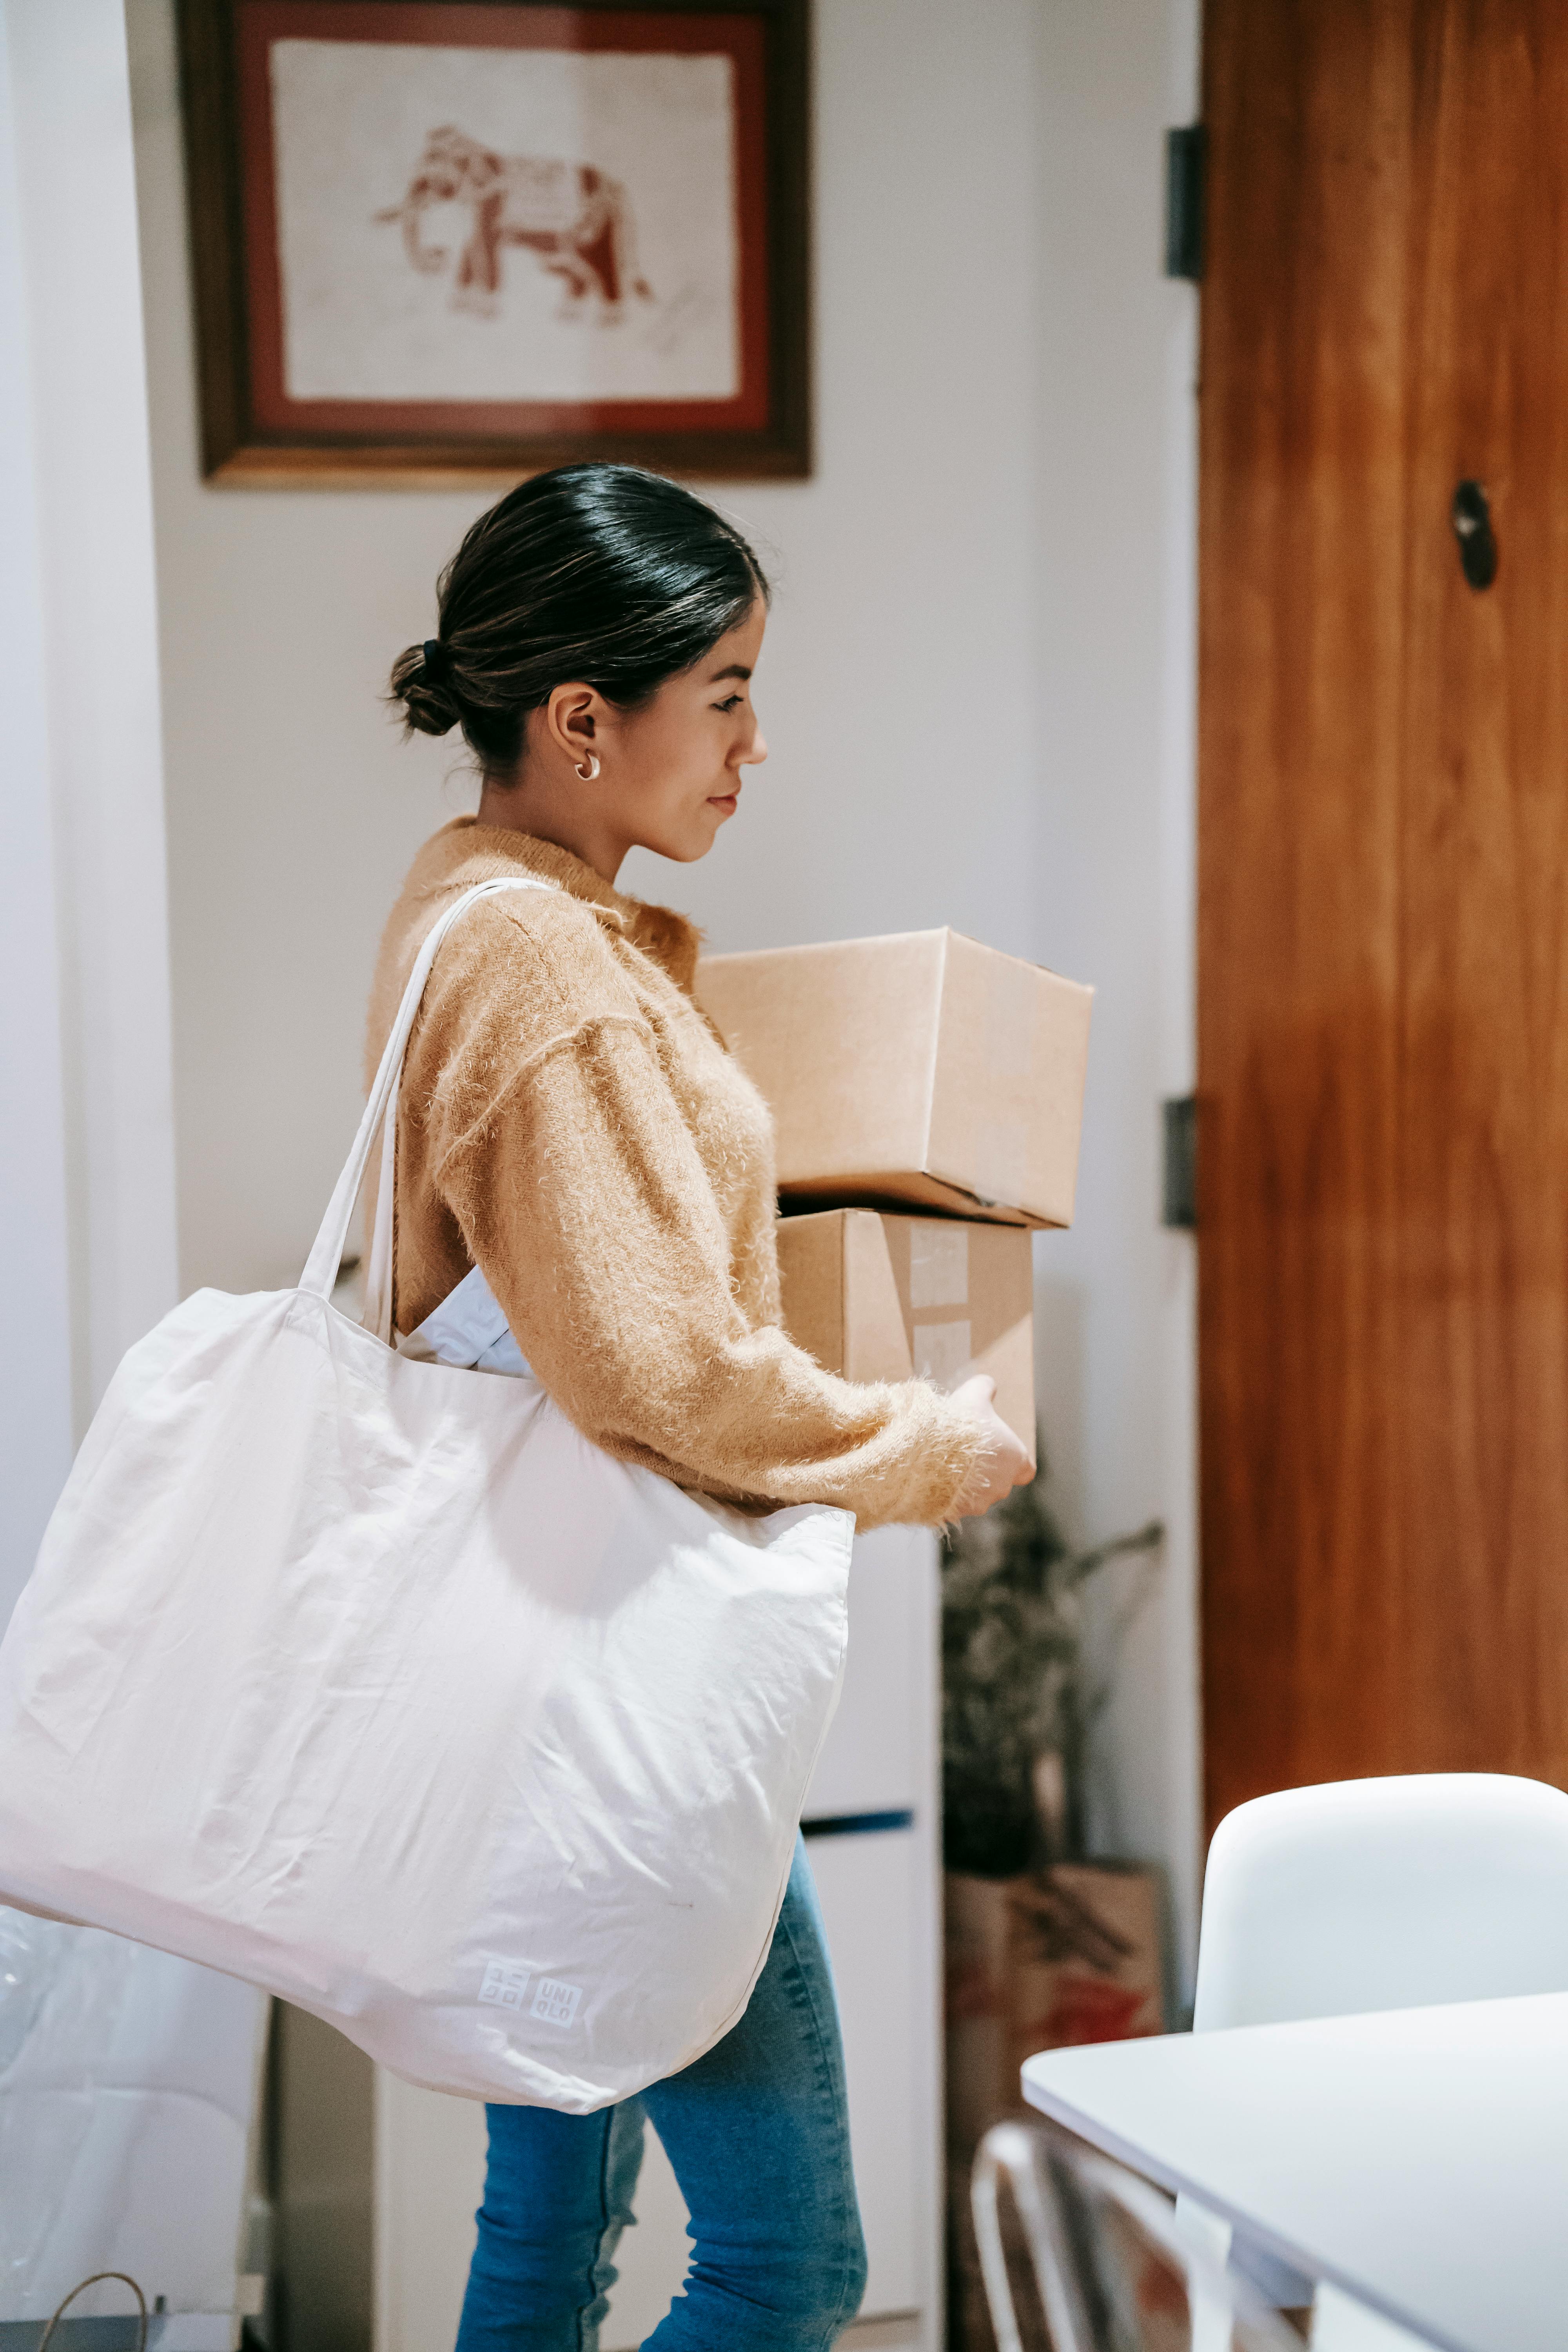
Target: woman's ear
<point>574,716</point>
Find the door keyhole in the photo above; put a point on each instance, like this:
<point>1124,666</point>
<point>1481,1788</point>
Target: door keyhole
<point>1472,523</point>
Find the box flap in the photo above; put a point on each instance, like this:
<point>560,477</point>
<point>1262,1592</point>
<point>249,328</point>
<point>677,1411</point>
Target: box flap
<point>1007,1101</point>
<point>811,1278</point>
<point>876,1336</point>
<point>841,1042</point>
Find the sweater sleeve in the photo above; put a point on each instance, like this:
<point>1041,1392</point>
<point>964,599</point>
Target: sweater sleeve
<point>579,1192</point>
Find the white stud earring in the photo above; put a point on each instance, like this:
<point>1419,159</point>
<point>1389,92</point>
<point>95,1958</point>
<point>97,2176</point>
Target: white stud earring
<point>588,769</point>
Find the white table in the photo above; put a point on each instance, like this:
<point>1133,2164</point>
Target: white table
<point>1418,2159</point>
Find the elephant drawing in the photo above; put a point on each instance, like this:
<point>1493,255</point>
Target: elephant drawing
<point>575,218</point>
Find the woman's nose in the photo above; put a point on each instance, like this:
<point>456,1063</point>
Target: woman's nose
<point>758,752</point>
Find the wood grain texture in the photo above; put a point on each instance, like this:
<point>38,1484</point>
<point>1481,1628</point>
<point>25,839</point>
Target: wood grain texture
<point>1384,893</point>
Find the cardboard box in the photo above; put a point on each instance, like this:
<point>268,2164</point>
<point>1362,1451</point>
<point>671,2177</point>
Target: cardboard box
<point>882,1298</point>
<point>920,1069</point>
<point>1067,1955</point>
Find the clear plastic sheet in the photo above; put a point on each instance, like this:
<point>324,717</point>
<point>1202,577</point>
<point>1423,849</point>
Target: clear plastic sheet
<point>127,2082</point>
<point>31,1953</point>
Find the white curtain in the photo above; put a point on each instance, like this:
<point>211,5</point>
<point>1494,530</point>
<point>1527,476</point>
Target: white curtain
<point>127,2079</point>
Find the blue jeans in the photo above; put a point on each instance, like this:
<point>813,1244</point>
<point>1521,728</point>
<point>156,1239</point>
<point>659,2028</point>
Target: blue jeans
<point>759,2137</point>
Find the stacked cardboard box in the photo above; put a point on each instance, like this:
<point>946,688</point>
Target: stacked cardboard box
<point>915,1072</point>
<point>882,1298</point>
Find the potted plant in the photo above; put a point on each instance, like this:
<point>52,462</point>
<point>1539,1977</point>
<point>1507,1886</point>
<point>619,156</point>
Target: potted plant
<point>1018,1704</point>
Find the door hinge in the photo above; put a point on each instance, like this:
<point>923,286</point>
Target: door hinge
<point>1185,156</point>
<point>1179,1170</point>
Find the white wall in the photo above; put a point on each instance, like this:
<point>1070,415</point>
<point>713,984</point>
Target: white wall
<point>1116,665</point>
<point>974,684</point>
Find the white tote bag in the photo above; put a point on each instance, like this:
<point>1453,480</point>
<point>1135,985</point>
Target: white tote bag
<point>368,1678</point>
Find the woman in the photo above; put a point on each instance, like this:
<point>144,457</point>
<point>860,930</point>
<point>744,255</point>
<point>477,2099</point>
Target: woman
<point>573,1126</point>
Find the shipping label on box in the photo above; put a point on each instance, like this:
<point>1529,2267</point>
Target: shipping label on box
<point>920,1069</point>
<point>879,1296</point>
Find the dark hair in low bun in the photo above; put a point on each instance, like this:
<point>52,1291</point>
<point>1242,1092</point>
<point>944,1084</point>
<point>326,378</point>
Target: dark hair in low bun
<point>603,572</point>
<point>424,687</point>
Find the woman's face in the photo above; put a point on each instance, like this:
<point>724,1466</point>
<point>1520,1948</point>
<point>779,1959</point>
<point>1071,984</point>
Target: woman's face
<point>670,773</point>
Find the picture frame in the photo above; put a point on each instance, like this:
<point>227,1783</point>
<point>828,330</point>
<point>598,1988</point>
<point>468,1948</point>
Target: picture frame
<point>441,241</point>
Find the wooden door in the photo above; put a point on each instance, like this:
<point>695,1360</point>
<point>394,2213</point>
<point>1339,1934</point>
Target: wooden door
<point>1384,893</point>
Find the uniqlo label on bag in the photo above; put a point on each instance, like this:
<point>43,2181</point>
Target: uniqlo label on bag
<point>555,2003</point>
<point>505,1984</point>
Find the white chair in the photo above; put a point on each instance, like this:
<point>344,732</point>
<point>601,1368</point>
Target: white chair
<point>1370,1894</point>
<point>1106,2254</point>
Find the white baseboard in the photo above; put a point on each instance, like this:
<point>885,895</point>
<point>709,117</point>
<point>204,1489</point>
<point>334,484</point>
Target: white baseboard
<point>897,2331</point>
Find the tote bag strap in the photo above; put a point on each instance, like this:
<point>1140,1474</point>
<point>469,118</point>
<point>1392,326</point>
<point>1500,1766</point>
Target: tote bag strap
<point>381,1112</point>
<point>376,1311</point>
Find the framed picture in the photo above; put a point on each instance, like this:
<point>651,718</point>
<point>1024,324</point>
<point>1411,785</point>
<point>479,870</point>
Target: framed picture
<point>437,239</point>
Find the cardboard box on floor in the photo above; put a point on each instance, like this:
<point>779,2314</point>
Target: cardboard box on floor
<point>918,1070</point>
<point>1067,1955</point>
<point>887,1297</point>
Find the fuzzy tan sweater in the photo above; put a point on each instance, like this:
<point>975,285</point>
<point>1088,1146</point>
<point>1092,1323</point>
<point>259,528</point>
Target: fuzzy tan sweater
<point>573,1124</point>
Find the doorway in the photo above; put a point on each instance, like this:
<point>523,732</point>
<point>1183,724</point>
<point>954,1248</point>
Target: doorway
<point>1383,891</point>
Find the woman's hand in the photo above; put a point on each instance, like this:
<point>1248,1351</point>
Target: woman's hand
<point>1006,1462</point>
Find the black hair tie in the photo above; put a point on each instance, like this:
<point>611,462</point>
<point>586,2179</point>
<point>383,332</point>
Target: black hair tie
<point>437,667</point>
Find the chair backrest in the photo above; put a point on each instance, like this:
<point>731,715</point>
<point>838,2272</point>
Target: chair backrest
<point>1389,1894</point>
